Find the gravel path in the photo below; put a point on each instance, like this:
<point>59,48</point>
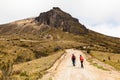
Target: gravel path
<point>65,70</point>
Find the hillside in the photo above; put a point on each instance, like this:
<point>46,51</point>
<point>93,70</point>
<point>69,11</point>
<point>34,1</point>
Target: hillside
<point>50,32</point>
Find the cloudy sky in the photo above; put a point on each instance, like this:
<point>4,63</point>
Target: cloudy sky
<point>99,15</point>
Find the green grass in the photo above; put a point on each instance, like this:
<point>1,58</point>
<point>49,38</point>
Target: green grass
<point>96,64</point>
<point>99,66</point>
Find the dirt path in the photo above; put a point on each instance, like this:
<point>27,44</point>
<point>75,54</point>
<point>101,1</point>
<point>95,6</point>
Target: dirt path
<point>24,40</point>
<point>65,70</point>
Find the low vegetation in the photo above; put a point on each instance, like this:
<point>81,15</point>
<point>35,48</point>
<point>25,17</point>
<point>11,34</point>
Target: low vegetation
<point>12,48</point>
<point>23,48</point>
<point>99,66</point>
<point>6,70</point>
<point>95,63</point>
<point>35,69</point>
<point>31,70</point>
<point>109,58</point>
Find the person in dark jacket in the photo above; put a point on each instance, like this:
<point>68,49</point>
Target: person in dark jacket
<point>81,61</point>
<point>73,59</point>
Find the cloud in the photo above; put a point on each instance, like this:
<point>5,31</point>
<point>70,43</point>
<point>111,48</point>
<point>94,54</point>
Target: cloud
<point>107,29</point>
<point>98,11</point>
<point>11,10</point>
<point>93,13</point>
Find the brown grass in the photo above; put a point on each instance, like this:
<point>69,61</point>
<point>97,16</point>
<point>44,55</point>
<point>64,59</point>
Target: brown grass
<point>35,68</point>
<point>109,58</point>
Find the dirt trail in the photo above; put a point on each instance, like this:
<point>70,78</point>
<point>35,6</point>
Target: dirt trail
<point>65,70</point>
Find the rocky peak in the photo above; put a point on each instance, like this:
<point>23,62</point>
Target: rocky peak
<point>60,19</point>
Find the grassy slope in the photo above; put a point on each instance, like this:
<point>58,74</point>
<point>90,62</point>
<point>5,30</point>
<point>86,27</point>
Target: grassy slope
<point>35,69</point>
<point>11,48</point>
<point>101,42</point>
<point>109,58</point>
<point>21,51</point>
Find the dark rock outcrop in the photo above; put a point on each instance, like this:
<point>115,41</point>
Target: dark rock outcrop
<point>59,19</point>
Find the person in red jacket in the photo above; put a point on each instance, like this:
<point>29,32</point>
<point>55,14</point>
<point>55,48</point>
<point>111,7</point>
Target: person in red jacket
<point>73,58</point>
<point>81,61</point>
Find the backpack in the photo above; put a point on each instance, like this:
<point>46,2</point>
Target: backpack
<point>73,57</point>
<point>81,58</point>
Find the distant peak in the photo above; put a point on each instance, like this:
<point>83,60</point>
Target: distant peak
<point>56,8</point>
<point>60,19</point>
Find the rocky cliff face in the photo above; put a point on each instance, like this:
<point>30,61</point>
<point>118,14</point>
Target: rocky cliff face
<point>59,19</point>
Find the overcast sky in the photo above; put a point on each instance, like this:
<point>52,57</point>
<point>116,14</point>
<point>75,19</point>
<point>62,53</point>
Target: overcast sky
<point>99,15</point>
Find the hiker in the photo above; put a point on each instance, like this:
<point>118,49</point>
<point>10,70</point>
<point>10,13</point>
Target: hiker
<point>73,59</point>
<point>81,61</point>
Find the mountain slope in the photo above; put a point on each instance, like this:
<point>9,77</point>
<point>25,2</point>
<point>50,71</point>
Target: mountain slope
<point>53,26</point>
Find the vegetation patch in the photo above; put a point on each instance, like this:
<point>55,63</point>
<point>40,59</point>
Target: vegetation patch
<point>99,66</point>
<point>36,68</point>
<point>96,64</point>
<point>109,58</point>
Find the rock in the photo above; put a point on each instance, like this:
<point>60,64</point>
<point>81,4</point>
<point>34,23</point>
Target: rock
<point>59,19</point>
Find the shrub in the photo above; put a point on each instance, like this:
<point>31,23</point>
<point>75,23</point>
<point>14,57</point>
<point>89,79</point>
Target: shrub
<point>104,60</point>
<point>23,73</point>
<point>88,51</point>
<point>6,68</point>
<point>57,48</point>
<point>109,58</point>
<point>39,54</point>
<point>24,45</point>
<point>28,59</point>
<point>19,59</point>
<point>118,60</point>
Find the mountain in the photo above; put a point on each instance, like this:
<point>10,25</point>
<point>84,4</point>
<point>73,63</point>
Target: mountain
<point>59,19</point>
<point>55,18</point>
<point>49,32</point>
